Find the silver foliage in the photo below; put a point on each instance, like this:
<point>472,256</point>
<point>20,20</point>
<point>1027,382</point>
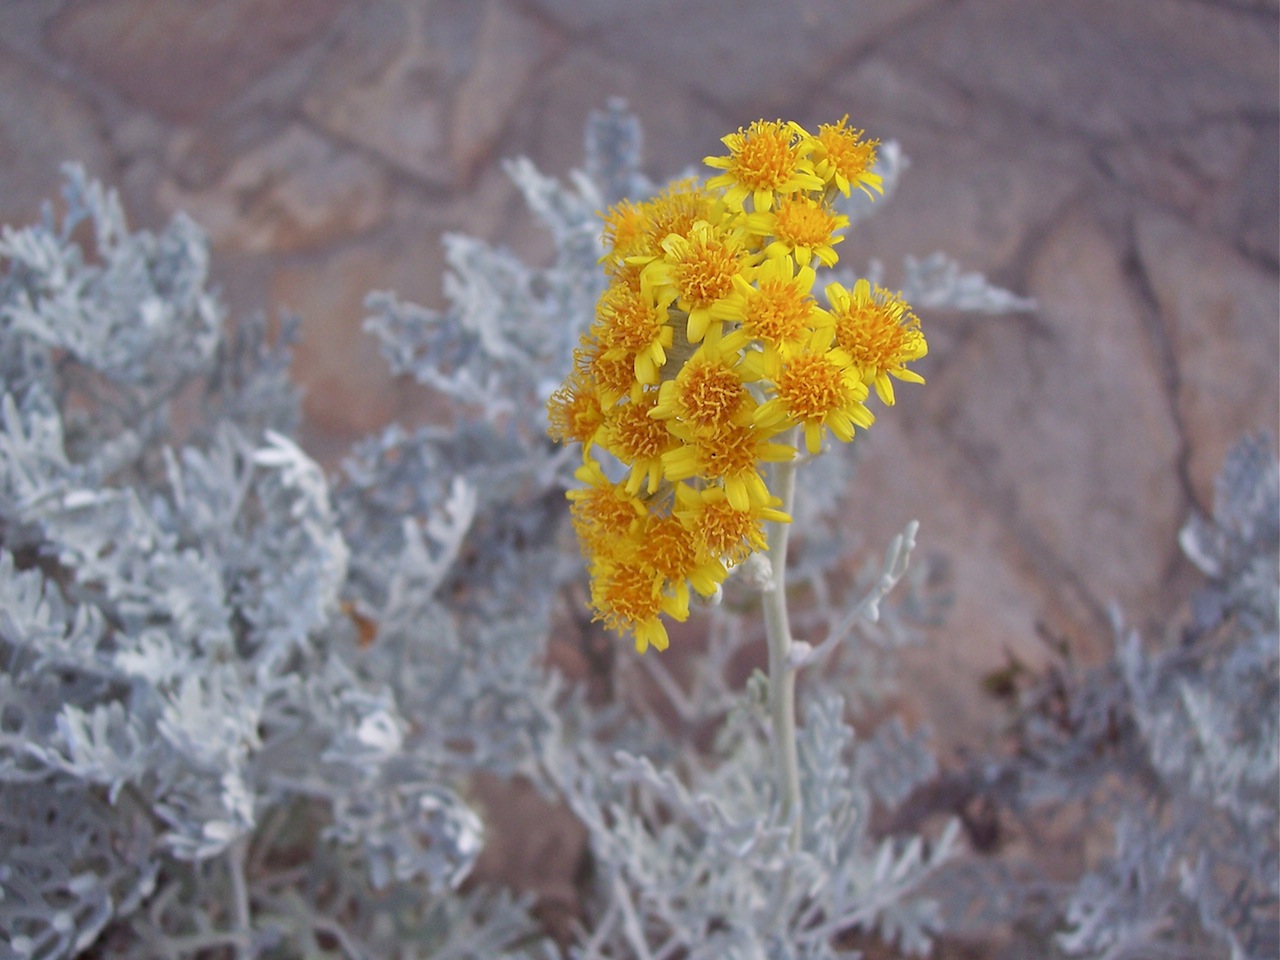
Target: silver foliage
<point>241,700</point>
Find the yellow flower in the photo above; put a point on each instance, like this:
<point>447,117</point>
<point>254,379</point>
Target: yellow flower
<point>634,230</point>
<point>627,599</point>
<point>638,440</point>
<point>731,455</point>
<point>574,413</point>
<point>767,158</point>
<point>708,391</point>
<point>697,272</point>
<point>879,332</point>
<point>671,550</point>
<point>629,326</point>
<point>778,309</point>
<point>721,529</point>
<point>815,388</point>
<point>802,227</point>
<point>603,513</point>
<point>843,159</point>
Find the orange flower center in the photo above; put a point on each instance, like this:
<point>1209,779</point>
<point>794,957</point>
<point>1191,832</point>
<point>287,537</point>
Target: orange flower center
<point>878,332</point>
<point>766,156</point>
<point>812,386</point>
<point>845,149</point>
<point>573,412</point>
<point>801,222</point>
<point>638,436</point>
<point>705,269</point>
<point>629,320</point>
<point>728,533</point>
<point>709,393</point>
<point>778,312</point>
<point>628,595</point>
<point>668,548</point>
<point>729,452</point>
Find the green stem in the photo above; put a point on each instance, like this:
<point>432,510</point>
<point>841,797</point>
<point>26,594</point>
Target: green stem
<point>782,673</point>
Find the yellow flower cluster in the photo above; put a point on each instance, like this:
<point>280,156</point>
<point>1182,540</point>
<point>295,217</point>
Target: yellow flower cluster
<point>707,346</point>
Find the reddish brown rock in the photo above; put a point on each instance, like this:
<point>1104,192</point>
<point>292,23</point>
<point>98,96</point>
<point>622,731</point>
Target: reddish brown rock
<point>1098,69</point>
<point>1062,421</point>
<point>43,124</point>
<point>295,192</point>
<point>430,88</point>
<point>185,61</point>
<point>1220,312</point>
<point>348,389</point>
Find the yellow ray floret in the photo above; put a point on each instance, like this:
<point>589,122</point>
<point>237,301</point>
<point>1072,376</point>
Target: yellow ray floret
<point>879,332</point>
<point>766,159</point>
<point>843,159</point>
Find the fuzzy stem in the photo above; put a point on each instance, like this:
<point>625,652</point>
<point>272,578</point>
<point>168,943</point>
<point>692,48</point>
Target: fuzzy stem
<point>237,855</point>
<point>782,673</point>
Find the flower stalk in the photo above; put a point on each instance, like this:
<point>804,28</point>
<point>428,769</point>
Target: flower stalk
<point>782,670</point>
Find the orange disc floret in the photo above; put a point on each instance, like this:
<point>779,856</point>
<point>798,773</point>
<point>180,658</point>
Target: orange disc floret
<point>638,440</point>
<point>574,413</point>
<point>879,332</point>
<point>721,529</point>
<point>708,391</point>
<point>766,159</point>
<point>603,513</point>
<point>630,326</point>
<point>814,389</point>
<point>732,455</point>
<point>626,224</point>
<point>627,599</point>
<point>698,270</point>
<point>843,159</point>
<point>671,549</point>
<point>802,227</point>
<point>778,309</point>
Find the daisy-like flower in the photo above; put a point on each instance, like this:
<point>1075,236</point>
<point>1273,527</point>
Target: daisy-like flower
<point>721,529</point>
<point>636,230</point>
<point>603,512</point>
<point>777,310</point>
<point>731,456</point>
<point>671,549</point>
<point>879,332</point>
<point>638,440</point>
<point>626,226</point>
<point>627,599</point>
<point>843,159</point>
<point>709,391</point>
<point>630,326</point>
<point>801,227</point>
<point>613,378</point>
<point>574,413</point>
<point>697,272</point>
<point>768,158</point>
<point>814,388</point>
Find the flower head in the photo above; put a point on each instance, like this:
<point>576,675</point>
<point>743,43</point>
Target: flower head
<point>697,272</point>
<point>815,388</point>
<point>843,159</point>
<point>777,310</point>
<point>706,346</point>
<point>879,332</point>
<point>766,159</point>
<point>801,227</point>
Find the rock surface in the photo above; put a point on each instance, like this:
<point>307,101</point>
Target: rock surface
<point>1118,162</point>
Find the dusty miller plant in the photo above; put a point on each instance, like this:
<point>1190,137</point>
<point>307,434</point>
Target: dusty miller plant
<point>241,700</point>
<point>1169,751</point>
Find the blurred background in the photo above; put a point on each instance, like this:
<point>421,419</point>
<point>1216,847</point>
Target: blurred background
<point>1117,162</point>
